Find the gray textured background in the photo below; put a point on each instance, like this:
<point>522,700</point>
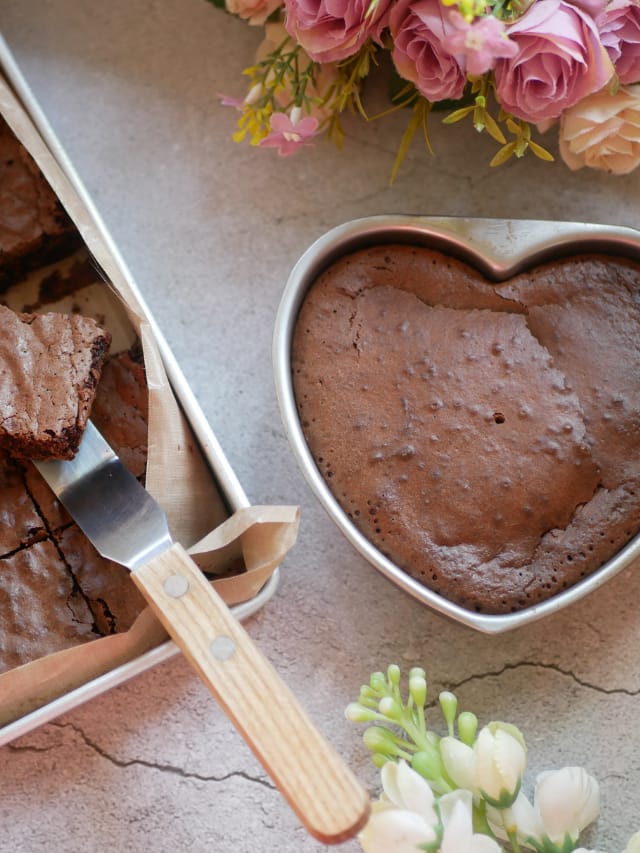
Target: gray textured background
<point>210,231</point>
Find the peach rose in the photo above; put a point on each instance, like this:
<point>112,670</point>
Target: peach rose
<point>603,132</point>
<point>255,12</point>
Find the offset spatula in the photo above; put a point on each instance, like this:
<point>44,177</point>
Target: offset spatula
<point>126,525</point>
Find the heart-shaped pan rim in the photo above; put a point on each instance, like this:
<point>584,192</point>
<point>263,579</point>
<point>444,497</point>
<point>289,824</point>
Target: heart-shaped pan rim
<point>498,248</point>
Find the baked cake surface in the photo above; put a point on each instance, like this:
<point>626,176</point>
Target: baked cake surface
<point>462,426</point>
<point>49,368</point>
<point>34,228</point>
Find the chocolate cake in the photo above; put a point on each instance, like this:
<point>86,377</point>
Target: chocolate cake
<point>50,365</point>
<point>484,437</point>
<point>34,228</point>
<point>56,591</point>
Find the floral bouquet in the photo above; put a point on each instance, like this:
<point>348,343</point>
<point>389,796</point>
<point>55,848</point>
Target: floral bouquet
<point>462,792</point>
<point>515,68</point>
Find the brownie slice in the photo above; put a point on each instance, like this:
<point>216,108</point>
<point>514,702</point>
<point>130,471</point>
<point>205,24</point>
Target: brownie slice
<point>56,591</point>
<point>50,365</point>
<point>34,227</point>
<point>120,408</point>
<point>41,607</point>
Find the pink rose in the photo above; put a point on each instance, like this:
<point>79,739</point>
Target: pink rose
<point>560,60</point>
<point>603,132</point>
<point>419,30</point>
<point>591,7</point>
<point>619,26</point>
<point>480,42</point>
<point>333,30</point>
<point>254,11</point>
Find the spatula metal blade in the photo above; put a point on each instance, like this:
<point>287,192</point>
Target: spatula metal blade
<point>114,511</point>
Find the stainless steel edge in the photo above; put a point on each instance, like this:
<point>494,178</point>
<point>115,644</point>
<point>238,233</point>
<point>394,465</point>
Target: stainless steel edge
<point>226,478</point>
<point>499,249</point>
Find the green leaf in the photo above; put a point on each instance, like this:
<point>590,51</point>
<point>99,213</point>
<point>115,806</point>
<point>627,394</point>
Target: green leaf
<point>219,4</point>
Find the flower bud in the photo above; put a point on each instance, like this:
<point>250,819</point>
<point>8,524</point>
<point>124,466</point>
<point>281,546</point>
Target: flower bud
<point>459,763</point>
<point>254,94</point>
<point>449,706</point>
<point>390,708</point>
<point>356,713</point>
<point>418,690</point>
<point>378,682</point>
<point>500,760</point>
<point>393,674</point>
<point>378,739</point>
<point>467,727</point>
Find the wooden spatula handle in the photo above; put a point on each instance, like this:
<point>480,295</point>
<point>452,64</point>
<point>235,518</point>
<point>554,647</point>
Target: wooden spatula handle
<point>314,780</point>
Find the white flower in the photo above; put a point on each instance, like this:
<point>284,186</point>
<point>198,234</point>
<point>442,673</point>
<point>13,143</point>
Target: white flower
<point>564,803</point>
<point>494,766</point>
<point>603,131</point>
<point>397,830</point>
<point>459,837</point>
<point>406,789</point>
<point>633,845</point>
<point>568,800</point>
<point>520,818</point>
<point>405,817</point>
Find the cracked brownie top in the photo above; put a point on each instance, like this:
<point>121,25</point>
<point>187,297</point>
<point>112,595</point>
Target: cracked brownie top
<point>484,437</point>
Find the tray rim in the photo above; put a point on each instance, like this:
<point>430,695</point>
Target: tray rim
<point>221,470</point>
<point>497,247</point>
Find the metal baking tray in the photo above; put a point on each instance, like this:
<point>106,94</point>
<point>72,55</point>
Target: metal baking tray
<point>497,248</point>
<point>228,484</point>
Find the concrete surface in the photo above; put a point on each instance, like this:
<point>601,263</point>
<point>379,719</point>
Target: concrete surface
<point>210,231</point>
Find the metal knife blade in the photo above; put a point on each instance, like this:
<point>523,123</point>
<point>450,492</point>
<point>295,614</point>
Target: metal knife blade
<point>126,524</point>
<point>114,511</point>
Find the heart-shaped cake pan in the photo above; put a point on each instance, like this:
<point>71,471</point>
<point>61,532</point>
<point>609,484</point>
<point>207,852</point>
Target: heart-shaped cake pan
<point>507,349</point>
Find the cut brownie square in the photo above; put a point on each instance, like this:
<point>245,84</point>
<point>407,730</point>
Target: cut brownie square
<point>34,227</point>
<point>110,593</point>
<point>20,522</point>
<point>120,408</point>
<point>41,608</point>
<point>50,365</point>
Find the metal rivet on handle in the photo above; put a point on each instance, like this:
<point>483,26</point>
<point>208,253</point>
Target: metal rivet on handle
<point>176,586</point>
<point>222,648</point>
